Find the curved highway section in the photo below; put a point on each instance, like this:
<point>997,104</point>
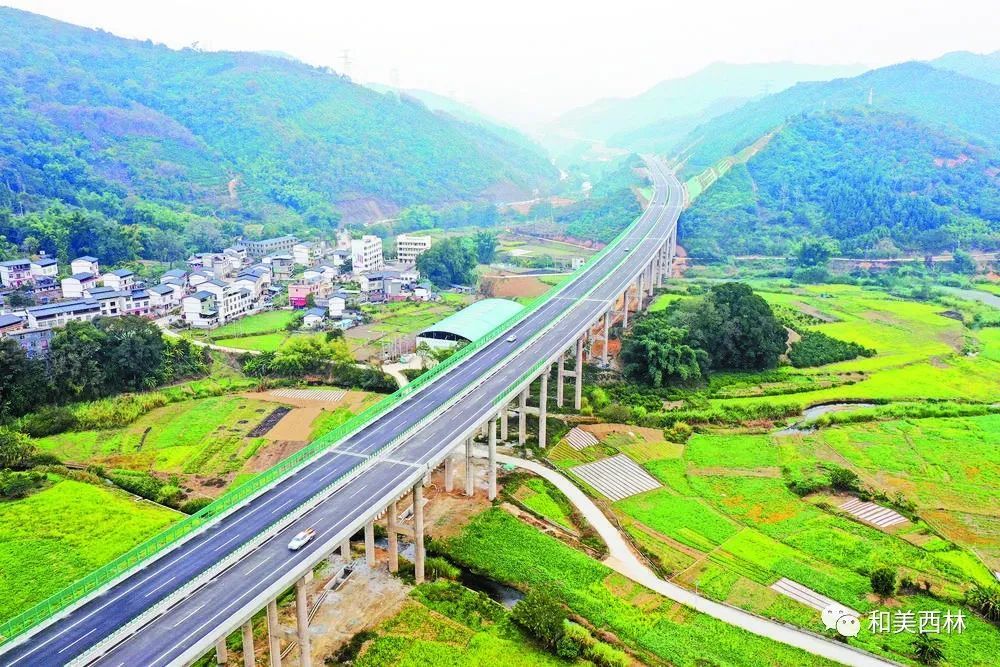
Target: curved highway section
<point>172,610</point>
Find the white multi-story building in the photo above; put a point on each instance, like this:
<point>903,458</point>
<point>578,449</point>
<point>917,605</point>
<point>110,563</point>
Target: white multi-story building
<point>45,267</point>
<point>408,248</point>
<point>264,247</point>
<point>58,314</point>
<point>305,254</point>
<point>85,264</point>
<point>119,279</point>
<point>77,285</point>
<point>164,297</point>
<point>217,302</point>
<point>366,254</point>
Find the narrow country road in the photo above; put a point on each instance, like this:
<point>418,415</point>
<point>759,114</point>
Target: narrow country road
<point>623,560</point>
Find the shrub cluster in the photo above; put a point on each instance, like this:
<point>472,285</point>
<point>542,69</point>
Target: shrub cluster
<point>19,484</point>
<point>147,486</point>
<point>815,348</point>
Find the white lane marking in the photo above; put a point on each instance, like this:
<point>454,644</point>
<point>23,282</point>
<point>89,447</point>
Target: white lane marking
<point>190,614</point>
<point>231,539</point>
<point>159,587</point>
<point>258,565</point>
<point>279,507</point>
<point>82,637</point>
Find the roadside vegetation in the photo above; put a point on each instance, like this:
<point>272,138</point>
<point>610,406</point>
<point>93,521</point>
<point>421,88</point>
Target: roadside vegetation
<point>65,530</point>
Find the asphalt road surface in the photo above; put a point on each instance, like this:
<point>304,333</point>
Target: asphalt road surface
<point>495,367</point>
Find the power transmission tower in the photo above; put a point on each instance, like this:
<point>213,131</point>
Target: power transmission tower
<point>345,58</point>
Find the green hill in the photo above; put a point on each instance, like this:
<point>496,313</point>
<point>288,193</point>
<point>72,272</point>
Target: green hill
<point>443,104</point>
<point>933,96</point>
<point>215,144</point>
<point>876,182</point>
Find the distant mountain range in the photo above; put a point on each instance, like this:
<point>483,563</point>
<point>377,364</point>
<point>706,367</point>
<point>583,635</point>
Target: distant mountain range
<point>902,158</point>
<point>657,118</point>
<point>451,107</point>
<point>934,96</point>
<point>978,66</point>
<point>103,124</point>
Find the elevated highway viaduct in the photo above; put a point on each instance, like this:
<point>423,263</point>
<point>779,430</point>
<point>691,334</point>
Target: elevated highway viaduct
<point>178,605</point>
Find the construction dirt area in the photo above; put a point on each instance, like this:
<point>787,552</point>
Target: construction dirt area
<point>504,285</point>
<point>295,429</point>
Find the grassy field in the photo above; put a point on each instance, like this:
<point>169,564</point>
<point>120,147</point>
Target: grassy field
<point>529,246</point>
<point>55,536</point>
<point>203,436</point>
<point>446,624</point>
<point>543,499</point>
<point>920,353</point>
<point>266,322</point>
<point>268,342</point>
<point>499,545</point>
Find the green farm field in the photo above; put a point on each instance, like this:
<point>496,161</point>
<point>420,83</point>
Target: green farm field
<point>401,319</point>
<point>499,545</point>
<point>56,535</point>
<point>204,436</point>
<point>726,522</point>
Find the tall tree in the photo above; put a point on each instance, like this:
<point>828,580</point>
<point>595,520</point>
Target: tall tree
<point>22,381</point>
<point>76,361</point>
<point>486,246</point>
<point>133,352</point>
<point>734,326</point>
<point>654,353</point>
<point>451,261</point>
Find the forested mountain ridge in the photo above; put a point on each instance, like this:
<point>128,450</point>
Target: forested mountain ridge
<point>205,146</point>
<point>877,183</point>
<point>935,97</point>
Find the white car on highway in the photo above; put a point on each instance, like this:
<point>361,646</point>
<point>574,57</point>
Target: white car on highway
<point>302,539</point>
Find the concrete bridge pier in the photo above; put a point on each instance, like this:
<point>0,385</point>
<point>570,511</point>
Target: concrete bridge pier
<point>543,404</point>
<point>393,534</point>
<point>470,471</point>
<point>273,633</point>
<point>249,659</point>
<point>607,335</point>
<point>418,533</point>
<point>221,651</point>
<point>522,418</point>
<point>560,378</point>
<point>370,543</point>
<point>492,472</point>
<point>302,622</point>
<point>625,307</point>
<point>578,373</point>
<point>449,473</point>
<point>504,422</point>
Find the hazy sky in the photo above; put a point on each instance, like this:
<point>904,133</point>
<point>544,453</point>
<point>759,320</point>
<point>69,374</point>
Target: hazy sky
<point>528,60</point>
